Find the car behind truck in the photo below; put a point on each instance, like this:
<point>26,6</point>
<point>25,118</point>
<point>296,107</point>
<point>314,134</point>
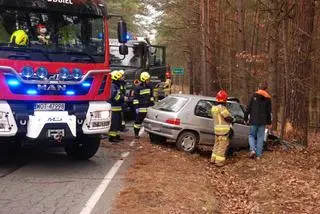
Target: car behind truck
<point>54,86</point>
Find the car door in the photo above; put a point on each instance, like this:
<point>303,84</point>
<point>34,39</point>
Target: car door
<point>205,126</point>
<point>241,131</point>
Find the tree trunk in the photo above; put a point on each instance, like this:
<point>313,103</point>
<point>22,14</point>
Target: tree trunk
<point>241,47</point>
<point>286,63</point>
<point>299,117</point>
<point>273,61</point>
<point>203,47</point>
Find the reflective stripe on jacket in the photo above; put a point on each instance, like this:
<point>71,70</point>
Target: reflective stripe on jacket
<point>221,126</point>
<point>117,98</point>
<point>143,96</point>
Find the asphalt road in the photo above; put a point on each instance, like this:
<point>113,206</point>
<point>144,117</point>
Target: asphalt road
<point>47,181</point>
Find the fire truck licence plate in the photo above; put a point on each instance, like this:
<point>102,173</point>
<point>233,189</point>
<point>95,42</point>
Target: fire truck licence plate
<point>49,107</point>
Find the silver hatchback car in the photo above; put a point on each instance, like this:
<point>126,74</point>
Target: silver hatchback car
<point>186,119</point>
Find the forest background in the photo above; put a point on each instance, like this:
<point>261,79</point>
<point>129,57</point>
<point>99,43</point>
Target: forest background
<point>234,45</point>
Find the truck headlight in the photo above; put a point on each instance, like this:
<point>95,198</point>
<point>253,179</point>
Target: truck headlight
<point>3,121</point>
<point>3,116</point>
<point>100,115</point>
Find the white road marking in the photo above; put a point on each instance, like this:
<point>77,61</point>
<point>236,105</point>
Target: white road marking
<point>132,143</point>
<point>87,209</point>
<point>124,155</point>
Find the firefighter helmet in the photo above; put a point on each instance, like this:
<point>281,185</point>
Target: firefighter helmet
<point>116,75</point>
<point>19,37</point>
<point>144,76</point>
<point>122,72</point>
<point>222,96</point>
<point>168,75</point>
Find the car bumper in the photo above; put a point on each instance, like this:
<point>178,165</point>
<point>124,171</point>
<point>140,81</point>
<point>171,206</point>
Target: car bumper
<point>162,129</point>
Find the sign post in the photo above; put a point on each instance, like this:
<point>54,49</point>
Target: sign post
<point>179,73</point>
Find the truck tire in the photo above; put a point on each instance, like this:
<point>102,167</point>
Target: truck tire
<point>156,139</point>
<point>83,147</point>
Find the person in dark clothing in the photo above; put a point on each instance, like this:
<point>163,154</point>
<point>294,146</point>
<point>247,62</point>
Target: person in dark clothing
<point>116,102</point>
<point>123,92</point>
<point>258,115</point>
<point>143,98</point>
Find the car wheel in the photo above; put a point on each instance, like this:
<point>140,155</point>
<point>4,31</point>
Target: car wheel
<point>157,139</point>
<point>83,147</point>
<point>187,142</point>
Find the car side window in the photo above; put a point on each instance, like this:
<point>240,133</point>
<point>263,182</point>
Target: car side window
<point>236,111</point>
<point>203,108</point>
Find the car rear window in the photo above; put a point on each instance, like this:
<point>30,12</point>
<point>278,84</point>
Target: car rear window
<point>171,104</point>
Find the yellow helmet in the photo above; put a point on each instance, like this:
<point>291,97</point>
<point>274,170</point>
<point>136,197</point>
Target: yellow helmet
<point>19,37</point>
<point>122,72</point>
<point>144,76</point>
<point>116,75</point>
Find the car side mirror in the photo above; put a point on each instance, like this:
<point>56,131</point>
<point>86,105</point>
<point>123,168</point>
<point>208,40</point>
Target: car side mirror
<point>123,49</point>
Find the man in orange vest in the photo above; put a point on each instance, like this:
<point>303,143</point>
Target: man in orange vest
<point>222,120</point>
<point>258,115</point>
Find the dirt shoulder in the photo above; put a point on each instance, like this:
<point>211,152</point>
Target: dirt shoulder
<point>164,180</point>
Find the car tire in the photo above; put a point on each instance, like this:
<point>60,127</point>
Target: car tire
<point>187,142</point>
<point>83,148</point>
<point>157,139</point>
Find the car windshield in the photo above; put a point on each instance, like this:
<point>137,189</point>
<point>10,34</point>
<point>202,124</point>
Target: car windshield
<point>40,36</point>
<point>171,104</point>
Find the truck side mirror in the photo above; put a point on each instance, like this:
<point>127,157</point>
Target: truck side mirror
<point>122,31</point>
<point>123,49</point>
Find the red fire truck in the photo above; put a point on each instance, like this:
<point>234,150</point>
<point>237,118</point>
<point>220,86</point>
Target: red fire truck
<point>54,74</point>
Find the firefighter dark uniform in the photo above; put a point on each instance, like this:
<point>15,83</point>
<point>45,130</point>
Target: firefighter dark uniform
<point>123,92</point>
<point>116,102</point>
<point>143,98</point>
<point>222,128</point>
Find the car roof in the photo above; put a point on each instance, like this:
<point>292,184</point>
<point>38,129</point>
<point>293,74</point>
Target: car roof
<point>190,96</point>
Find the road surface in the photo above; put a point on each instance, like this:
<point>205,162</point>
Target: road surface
<point>47,181</point>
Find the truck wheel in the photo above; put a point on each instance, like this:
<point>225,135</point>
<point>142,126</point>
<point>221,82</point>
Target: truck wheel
<point>187,141</point>
<point>157,139</point>
<point>83,147</point>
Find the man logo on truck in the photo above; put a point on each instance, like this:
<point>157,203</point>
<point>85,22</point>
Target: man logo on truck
<point>52,87</point>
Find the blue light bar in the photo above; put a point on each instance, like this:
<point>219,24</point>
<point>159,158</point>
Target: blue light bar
<point>13,82</point>
<point>32,92</point>
<point>71,93</point>
<point>86,84</point>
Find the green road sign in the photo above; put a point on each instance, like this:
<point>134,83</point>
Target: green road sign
<point>178,71</point>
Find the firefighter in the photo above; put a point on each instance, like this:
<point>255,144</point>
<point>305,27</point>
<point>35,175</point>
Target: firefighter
<point>222,120</point>
<point>167,84</point>
<point>19,37</point>
<point>116,102</point>
<point>143,98</point>
<point>123,92</point>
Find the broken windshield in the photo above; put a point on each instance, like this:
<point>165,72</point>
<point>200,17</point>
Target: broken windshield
<point>53,36</point>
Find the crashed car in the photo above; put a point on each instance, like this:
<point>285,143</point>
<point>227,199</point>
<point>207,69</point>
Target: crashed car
<point>187,120</point>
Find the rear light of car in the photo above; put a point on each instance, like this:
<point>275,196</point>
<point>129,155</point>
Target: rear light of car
<point>173,121</point>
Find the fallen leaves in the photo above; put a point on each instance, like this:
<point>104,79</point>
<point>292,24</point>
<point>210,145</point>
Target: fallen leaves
<point>164,180</point>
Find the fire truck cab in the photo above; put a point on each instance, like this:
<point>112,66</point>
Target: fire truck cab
<point>55,74</point>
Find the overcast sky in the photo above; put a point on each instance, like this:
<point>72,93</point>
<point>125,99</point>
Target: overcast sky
<point>147,21</point>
